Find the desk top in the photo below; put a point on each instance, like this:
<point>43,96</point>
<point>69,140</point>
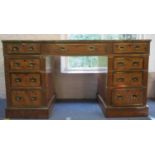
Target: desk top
<point>78,41</point>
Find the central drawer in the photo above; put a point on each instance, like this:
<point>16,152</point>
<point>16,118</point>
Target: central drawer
<point>77,49</point>
<point>25,98</point>
<point>25,80</point>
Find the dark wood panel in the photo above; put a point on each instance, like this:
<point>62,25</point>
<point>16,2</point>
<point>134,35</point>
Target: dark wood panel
<point>127,79</point>
<point>25,80</point>
<point>24,64</point>
<point>26,98</point>
<point>22,48</point>
<point>128,97</point>
<point>128,62</point>
<point>131,47</point>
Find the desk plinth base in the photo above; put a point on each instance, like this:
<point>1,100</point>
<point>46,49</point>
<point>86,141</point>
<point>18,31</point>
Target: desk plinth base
<point>30,113</point>
<point>110,111</point>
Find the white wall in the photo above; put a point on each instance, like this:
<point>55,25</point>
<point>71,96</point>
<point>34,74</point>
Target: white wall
<point>151,79</point>
<point>152,52</point>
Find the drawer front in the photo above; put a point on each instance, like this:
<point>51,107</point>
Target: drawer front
<point>131,47</point>
<point>22,48</point>
<point>24,64</point>
<point>128,79</point>
<point>77,49</point>
<point>128,97</point>
<point>127,63</point>
<point>26,98</point>
<point>25,80</point>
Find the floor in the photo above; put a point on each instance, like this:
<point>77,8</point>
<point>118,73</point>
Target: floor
<point>89,110</point>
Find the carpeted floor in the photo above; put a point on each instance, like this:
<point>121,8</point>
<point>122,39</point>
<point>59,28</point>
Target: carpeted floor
<point>82,111</point>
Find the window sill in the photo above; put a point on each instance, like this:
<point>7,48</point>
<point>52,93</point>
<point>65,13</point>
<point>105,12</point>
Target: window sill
<point>83,72</point>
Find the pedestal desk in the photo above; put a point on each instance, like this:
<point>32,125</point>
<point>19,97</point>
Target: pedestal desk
<point>30,88</point>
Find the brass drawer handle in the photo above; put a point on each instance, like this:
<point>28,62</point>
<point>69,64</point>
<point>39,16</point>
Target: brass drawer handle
<point>121,47</point>
<point>135,63</point>
<point>17,64</point>
<point>134,97</point>
<point>62,48</point>
<point>31,48</point>
<point>33,98</point>
<point>120,64</point>
<point>33,80</point>
<point>18,80</point>
<point>31,64</point>
<point>119,97</point>
<point>18,98</point>
<point>137,46</point>
<point>92,48</point>
<point>120,79</point>
<point>15,49</point>
<point>135,79</point>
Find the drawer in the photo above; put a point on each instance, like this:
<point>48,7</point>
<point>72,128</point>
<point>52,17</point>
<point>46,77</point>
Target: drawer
<point>19,64</point>
<point>131,47</point>
<point>128,97</point>
<point>26,98</point>
<point>22,48</point>
<point>25,80</point>
<point>77,49</point>
<point>127,63</point>
<point>128,79</point>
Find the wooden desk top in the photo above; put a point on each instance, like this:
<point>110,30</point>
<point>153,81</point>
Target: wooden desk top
<point>77,41</point>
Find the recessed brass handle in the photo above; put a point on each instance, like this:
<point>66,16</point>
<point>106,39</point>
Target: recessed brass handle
<point>120,63</point>
<point>33,80</point>
<point>119,97</point>
<point>137,46</point>
<point>134,96</point>
<point>120,79</point>
<point>33,98</point>
<point>18,98</point>
<point>135,63</point>
<point>15,48</point>
<point>17,64</point>
<point>31,48</point>
<point>31,64</point>
<point>134,79</point>
<point>62,48</point>
<point>18,80</point>
<point>121,47</point>
<point>92,48</point>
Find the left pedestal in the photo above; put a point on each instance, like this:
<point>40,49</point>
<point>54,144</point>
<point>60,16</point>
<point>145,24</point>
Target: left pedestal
<point>29,86</point>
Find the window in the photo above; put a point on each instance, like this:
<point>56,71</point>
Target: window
<point>89,64</point>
